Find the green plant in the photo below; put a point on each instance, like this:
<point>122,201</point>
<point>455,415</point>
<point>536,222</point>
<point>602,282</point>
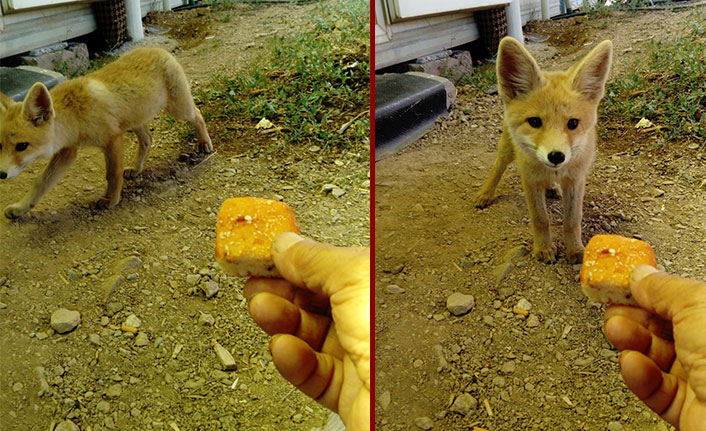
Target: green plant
<point>482,77</point>
<point>311,82</point>
<point>668,88</point>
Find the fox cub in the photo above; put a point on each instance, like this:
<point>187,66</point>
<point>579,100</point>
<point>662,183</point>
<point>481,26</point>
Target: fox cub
<point>548,127</point>
<point>96,110</point>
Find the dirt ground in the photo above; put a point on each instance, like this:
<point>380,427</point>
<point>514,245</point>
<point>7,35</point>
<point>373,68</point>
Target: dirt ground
<point>160,238</point>
<point>552,370</point>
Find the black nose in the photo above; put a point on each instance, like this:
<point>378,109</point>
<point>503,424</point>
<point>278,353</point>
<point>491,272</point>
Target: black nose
<point>556,157</point>
<point>3,175</point>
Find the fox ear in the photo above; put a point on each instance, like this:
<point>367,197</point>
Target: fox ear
<point>37,107</point>
<point>518,73</point>
<point>5,102</point>
<point>590,74</point>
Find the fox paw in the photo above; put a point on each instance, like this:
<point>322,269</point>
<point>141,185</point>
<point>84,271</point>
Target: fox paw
<point>106,203</point>
<point>482,200</point>
<point>575,256</point>
<point>129,173</point>
<point>15,211</point>
<point>205,147</point>
<point>545,254</point>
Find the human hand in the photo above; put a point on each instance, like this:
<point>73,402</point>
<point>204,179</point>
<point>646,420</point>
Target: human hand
<point>663,345</point>
<point>319,317</point>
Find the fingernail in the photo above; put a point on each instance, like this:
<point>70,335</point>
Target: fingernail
<point>641,272</point>
<point>285,240</point>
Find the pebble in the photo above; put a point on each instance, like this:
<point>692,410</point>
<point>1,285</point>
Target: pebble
<point>524,304</point>
<point>210,289</point>
<point>417,363</point>
<point>111,284</point>
<point>464,403</point>
<point>488,320</point>
<point>298,418</point>
<point>127,264</point>
<point>103,406</point>
<point>459,304</point>
<point>314,148</point>
<point>615,426</point>
<point>533,321</point>
<point>206,319</point>
<point>515,253</point>
<point>194,383</point>
<point>114,391</point>
<point>394,289</point>
<point>133,321</point>
<point>17,387</point>
<point>59,370</point>
<point>505,292</point>
<point>499,381</point>
<point>385,400</point>
<point>501,271</point>
<point>113,308</point>
<point>105,320</point>
<point>508,367</point>
<point>66,425</point>
<point>224,357</point>
<point>423,423</point>
<point>95,339</point>
<point>192,279</point>
<point>63,320</point>
<point>3,305</point>
<point>73,275</point>
<point>337,192</point>
<point>142,339</point>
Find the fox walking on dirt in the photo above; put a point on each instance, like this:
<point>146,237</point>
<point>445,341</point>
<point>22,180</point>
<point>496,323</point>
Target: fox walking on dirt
<point>549,128</point>
<point>95,110</point>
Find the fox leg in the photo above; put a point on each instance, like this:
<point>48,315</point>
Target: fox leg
<point>573,212</point>
<point>505,155</point>
<point>144,139</point>
<point>56,169</point>
<point>181,105</point>
<point>543,249</point>
<point>113,153</point>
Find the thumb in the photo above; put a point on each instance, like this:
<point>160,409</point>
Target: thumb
<point>321,268</point>
<point>664,294</point>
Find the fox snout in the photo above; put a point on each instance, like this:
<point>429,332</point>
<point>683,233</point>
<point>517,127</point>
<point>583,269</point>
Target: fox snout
<point>3,175</point>
<point>555,157</point>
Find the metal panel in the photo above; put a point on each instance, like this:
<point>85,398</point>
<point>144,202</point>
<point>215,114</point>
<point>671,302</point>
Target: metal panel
<point>10,6</point>
<point>409,9</point>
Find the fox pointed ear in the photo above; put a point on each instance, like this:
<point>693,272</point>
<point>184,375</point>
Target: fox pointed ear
<point>589,75</point>
<point>5,102</point>
<point>518,73</point>
<point>37,106</point>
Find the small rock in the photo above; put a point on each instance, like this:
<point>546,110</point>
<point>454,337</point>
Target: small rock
<point>17,387</point>
<point>417,363</point>
<point>95,339</point>
<point>488,320</point>
<point>113,308</point>
<point>532,321</point>
<point>298,418</point>
<point>423,423</point>
<point>464,403</point>
<point>385,400</point>
<point>3,305</point>
<point>66,425</point>
<point>499,381</point>
<point>314,149</point>
<point>394,289</point>
<point>142,339</point>
<point>114,391</point>
<point>63,320</point>
<point>515,253</point>
<point>210,289</point>
<point>73,275</point>
<point>194,383</point>
<point>103,406</point>
<point>493,89</point>
<point>133,321</point>
<point>501,271</point>
<point>459,304</point>
<point>105,321</point>
<point>338,192</point>
<point>328,187</point>
<point>524,304</point>
<point>206,319</point>
<point>59,370</point>
<point>508,367</point>
<point>192,279</point>
<point>505,292</point>
<point>225,358</point>
<point>615,426</point>
<point>127,264</point>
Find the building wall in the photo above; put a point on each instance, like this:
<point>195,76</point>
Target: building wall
<point>404,41</point>
<point>24,31</point>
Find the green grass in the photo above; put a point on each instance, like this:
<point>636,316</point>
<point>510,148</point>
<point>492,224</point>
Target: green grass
<point>668,88</point>
<point>482,77</point>
<point>311,82</point>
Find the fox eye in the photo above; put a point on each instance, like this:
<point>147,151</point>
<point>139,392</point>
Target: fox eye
<point>573,123</point>
<point>21,146</point>
<point>535,122</point>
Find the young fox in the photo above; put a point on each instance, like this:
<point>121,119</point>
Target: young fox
<point>549,128</point>
<point>94,110</point>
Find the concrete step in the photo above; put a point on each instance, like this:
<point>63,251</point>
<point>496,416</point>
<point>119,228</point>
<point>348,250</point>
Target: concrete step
<point>15,82</point>
<point>406,107</point>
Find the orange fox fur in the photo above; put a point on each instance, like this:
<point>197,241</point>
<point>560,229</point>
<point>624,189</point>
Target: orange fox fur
<point>549,128</point>
<point>95,110</point>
